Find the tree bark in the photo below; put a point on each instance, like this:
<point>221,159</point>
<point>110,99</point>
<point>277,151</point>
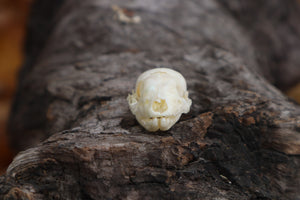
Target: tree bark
<point>241,139</point>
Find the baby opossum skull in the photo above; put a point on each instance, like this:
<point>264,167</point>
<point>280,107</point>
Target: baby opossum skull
<point>159,99</point>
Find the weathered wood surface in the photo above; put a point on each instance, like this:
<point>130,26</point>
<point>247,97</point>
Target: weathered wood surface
<point>241,139</point>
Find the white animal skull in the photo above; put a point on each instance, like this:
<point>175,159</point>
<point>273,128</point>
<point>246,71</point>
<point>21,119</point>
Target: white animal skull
<point>159,99</point>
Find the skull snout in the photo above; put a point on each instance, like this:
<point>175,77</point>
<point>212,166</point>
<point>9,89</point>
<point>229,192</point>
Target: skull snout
<point>160,105</point>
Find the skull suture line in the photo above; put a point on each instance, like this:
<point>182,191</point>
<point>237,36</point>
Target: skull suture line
<point>159,99</point>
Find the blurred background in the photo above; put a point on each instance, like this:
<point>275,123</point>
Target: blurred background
<point>13,19</point>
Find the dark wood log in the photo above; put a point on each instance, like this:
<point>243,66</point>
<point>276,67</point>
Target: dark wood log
<point>274,31</point>
<point>241,139</point>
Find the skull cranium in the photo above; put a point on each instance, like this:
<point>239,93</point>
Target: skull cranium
<point>159,99</point>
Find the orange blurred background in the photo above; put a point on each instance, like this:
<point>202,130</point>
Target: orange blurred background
<point>13,18</point>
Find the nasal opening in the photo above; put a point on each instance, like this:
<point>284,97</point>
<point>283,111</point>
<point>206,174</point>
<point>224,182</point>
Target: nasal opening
<point>160,106</point>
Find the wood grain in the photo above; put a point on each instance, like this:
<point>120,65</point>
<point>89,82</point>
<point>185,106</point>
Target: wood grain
<point>240,141</point>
